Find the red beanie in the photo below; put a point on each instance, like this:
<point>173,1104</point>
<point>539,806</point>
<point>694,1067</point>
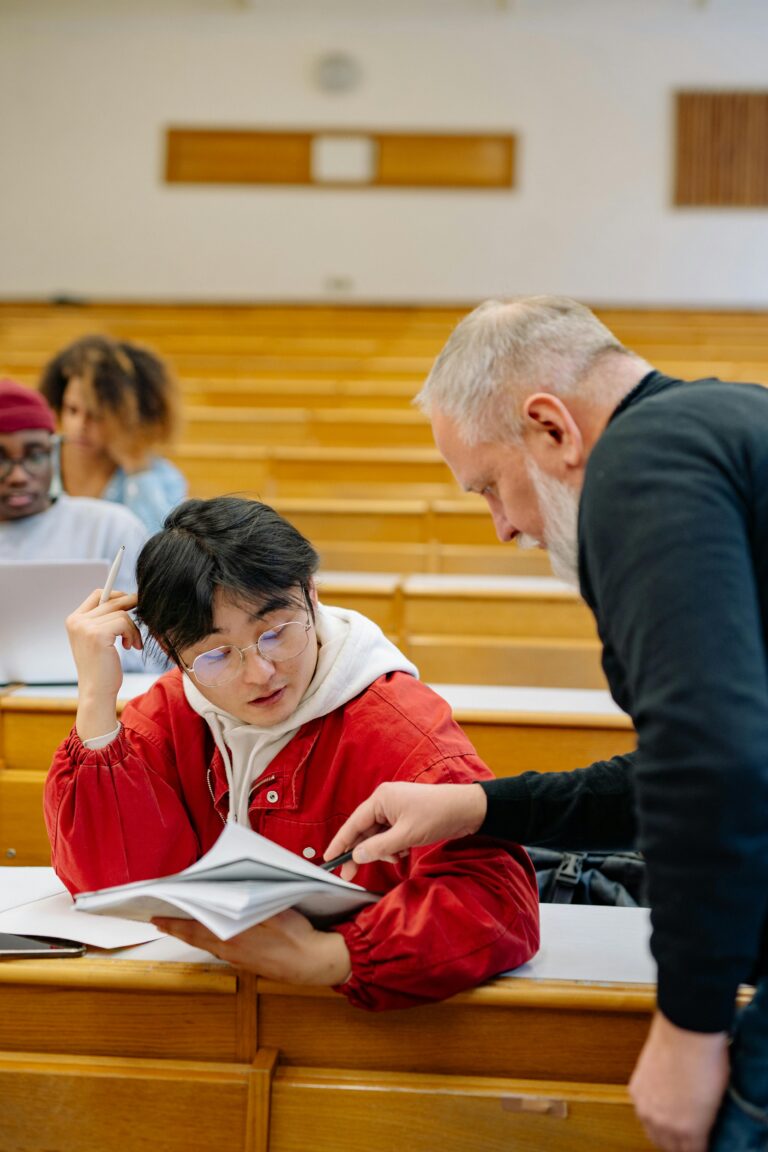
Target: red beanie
<point>22,408</point>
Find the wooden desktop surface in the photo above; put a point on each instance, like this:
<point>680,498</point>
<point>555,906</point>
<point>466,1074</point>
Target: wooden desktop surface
<point>102,1052</point>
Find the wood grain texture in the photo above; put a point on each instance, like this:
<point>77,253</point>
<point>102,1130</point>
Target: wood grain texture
<point>23,836</point>
<point>85,1104</point>
<point>721,158</point>
<point>542,663</point>
<point>93,1060</point>
<point>115,1021</point>
<point>379,1112</point>
<point>518,1032</point>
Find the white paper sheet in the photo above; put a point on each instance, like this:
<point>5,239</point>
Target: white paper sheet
<point>167,949</point>
<point>56,916</point>
<point>22,885</point>
<point>235,866</point>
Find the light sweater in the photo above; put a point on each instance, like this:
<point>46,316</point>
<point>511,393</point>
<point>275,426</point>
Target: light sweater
<point>76,528</point>
<point>80,528</point>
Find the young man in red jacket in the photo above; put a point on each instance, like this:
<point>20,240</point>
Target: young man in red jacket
<point>281,714</point>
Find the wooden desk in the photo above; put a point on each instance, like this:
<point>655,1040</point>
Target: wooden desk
<point>546,729</point>
<point>469,607</point>
<point>32,725</point>
<point>498,660</point>
<point>536,607</point>
<point>115,1053</point>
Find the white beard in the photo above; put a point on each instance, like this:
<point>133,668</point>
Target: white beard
<point>559,504</point>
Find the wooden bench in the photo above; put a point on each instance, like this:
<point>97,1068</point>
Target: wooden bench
<point>499,606</point>
<point>546,663</point>
<point>407,535</point>
<point>266,472</point>
<point>471,606</point>
<point>321,427</point>
<point>302,392</point>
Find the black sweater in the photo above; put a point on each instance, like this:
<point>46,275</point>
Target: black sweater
<point>673,556</point>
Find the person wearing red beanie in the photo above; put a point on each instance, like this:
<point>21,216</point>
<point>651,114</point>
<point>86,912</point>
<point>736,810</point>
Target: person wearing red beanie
<point>27,424</point>
<point>38,525</point>
<point>22,408</point>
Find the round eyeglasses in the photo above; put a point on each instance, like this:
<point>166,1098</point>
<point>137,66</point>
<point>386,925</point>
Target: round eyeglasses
<point>34,461</point>
<point>220,665</point>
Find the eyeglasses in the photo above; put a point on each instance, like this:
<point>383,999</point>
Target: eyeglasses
<point>220,665</point>
<point>34,461</point>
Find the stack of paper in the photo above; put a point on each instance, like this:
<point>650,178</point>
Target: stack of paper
<point>243,880</point>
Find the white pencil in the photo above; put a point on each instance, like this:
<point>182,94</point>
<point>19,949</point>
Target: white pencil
<point>105,595</point>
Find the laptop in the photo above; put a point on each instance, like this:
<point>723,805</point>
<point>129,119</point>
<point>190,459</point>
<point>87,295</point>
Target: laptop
<point>36,596</point>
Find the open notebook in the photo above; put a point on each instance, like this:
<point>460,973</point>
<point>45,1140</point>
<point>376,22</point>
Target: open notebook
<point>241,881</point>
<point>36,596</point>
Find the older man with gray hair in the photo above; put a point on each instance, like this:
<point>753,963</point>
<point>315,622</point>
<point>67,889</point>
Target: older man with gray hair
<point>651,494</point>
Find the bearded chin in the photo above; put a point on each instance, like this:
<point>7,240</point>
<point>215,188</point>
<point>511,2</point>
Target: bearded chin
<point>559,504</point>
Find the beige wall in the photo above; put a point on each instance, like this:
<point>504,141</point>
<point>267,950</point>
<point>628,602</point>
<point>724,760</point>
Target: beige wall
<point>87,88</point>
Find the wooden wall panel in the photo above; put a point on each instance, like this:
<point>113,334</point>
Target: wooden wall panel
<point>403,160</point>
<point>225,157</point>
<point>721,157</point>
<point>446,161</point>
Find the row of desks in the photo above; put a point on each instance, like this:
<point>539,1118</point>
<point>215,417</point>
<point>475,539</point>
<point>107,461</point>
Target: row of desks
<point>513,729</point>
<point>489,630</point>
<point>161,1046</point>
<point>407,535</point>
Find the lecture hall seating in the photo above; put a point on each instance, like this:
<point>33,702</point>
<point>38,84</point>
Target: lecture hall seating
<point>311,408</point>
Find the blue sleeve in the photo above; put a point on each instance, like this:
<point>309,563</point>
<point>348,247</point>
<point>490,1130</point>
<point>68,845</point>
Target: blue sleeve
<point>150,494</point>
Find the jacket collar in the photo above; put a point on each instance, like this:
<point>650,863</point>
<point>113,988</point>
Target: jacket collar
<point>284,776</point>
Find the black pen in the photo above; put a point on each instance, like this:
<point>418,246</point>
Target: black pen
<point>331,864</point>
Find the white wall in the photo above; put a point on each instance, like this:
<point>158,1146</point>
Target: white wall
<point>87,88</point>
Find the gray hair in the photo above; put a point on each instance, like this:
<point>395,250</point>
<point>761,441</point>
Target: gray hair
<point>504,351</point>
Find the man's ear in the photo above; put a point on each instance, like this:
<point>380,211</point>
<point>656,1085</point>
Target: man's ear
<point>312,589</point>
<point>554,437</point>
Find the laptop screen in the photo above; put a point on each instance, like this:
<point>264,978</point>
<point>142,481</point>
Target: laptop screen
<point>36,596</point>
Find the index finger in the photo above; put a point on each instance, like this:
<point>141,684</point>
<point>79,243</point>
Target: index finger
<point>117,600</point>
<point>359,826</point>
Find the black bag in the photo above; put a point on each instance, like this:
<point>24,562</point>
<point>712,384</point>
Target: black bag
<point>616,878</point>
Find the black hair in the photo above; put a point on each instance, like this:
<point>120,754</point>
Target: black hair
<point>240,546</point>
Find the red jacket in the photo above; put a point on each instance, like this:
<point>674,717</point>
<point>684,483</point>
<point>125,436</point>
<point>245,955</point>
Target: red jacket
<point>155,799</point>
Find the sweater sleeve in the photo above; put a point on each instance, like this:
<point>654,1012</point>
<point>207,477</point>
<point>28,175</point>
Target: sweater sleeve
<point>462,912</point>
<point>678,608</point>
<point>586,809</point>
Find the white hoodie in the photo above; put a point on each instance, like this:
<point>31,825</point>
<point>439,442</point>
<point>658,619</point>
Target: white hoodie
<point>353,653</point>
